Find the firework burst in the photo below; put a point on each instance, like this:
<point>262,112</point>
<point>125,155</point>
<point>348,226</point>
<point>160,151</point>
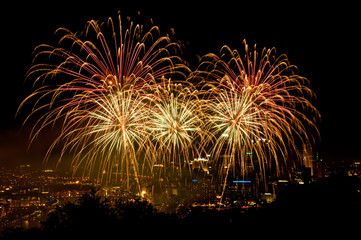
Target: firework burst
<point>255,110</point>
<point>175,124</point>
<point>110,137</point>
<point>94,87</point>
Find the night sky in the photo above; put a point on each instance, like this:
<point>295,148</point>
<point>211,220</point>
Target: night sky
<point>322,40</point>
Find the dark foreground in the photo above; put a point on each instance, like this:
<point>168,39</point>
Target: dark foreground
<point>328,207</point>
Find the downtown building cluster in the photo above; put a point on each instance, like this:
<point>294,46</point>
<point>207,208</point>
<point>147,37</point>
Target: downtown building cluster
<point>28,194</point>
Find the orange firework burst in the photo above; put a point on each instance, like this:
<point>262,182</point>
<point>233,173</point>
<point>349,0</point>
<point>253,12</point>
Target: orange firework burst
<point>94,87</point>
<point>256,106</point>
<point>175,124</point>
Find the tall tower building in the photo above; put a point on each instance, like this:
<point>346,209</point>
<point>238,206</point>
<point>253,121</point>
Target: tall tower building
<point>307,159</point>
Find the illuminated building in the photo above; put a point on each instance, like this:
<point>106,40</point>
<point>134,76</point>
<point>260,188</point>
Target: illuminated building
<point>307,159</point>
<point>200,164</point>
<point>355,169</point>
<point>311,167</point>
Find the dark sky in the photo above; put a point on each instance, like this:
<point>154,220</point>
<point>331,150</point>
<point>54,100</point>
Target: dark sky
<point>322,40</point>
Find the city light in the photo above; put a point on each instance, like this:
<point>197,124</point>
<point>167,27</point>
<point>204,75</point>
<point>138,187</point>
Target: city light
<point>242,181</point>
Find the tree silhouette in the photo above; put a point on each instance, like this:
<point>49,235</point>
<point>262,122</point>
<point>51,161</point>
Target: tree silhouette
<point>89,213</point>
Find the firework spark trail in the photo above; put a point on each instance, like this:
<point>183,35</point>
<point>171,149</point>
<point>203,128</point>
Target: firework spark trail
<point>115,133</point>
<point>86,86</point>
<point>252,100</point>
<point>175,124</point>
